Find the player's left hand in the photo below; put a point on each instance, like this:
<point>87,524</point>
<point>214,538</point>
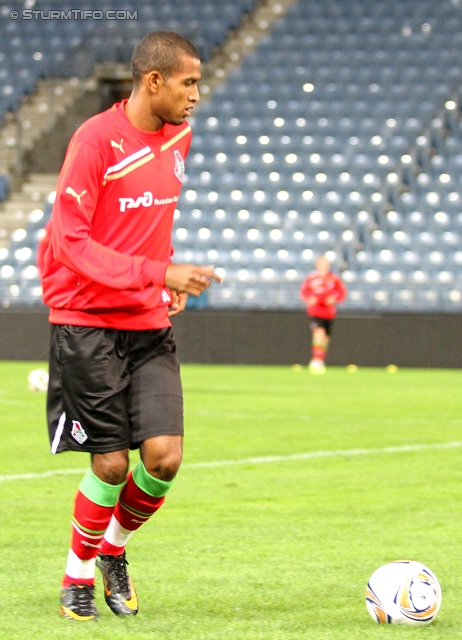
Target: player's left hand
<point>178,303</point>
<point>330,301</point>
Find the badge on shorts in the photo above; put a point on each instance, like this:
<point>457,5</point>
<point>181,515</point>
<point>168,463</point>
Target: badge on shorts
<point>78,432</point>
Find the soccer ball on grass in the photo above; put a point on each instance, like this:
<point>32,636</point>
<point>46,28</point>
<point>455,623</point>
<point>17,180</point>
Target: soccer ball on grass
<point>38,380</point>
<point>403,592</point>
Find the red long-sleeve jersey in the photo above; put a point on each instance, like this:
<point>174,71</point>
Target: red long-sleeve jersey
<point>111,224</point>
<point>322,288</point>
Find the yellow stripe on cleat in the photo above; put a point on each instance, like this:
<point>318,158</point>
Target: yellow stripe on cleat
<point>72,615</point>
<point>133,602</point>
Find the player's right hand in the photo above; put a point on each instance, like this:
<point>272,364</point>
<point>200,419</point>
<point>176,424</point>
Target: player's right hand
<point>178,304</point>
<point>190,278</point>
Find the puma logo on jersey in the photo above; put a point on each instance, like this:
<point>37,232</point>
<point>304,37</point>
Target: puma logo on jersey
<point>78,196</point>
<point>118,146</point>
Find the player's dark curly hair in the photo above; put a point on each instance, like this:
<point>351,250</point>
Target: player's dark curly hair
<point>160,51</point>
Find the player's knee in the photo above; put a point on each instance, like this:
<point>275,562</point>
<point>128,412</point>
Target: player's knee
<point>165,467</point>
<point>170,466</point>
<point>162,456</point>
<point>111,468</point>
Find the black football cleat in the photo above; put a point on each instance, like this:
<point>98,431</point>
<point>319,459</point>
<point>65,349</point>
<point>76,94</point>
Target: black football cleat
<point>119,592</point>
<point>78,602</point>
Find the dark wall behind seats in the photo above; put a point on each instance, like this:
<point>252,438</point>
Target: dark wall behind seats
<point>259,337</point>
<point>276,337</point>
<point>24,335</point>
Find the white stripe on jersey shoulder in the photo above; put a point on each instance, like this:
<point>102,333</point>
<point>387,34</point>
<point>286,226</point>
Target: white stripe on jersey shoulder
<point>128,160</point>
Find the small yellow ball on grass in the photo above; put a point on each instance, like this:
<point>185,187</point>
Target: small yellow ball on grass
<point>352,368</point>
<point>297,367</point>
<point>392,368</point>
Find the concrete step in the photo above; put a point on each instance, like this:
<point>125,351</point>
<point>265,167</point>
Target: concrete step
<point>14,213</point>
<point>20,203</point>
<point>37,115</point>
<point>38,179</point>
<point>40,189</point>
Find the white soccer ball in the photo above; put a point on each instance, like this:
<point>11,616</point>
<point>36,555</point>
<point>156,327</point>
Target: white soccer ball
<point>403,592</point>
<point>38,380</point>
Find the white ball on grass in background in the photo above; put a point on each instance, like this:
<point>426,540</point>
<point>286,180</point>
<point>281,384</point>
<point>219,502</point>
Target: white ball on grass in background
<point>38,380</point>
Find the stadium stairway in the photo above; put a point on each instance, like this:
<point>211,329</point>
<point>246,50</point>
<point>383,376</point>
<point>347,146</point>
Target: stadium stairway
<point>36,116</point>
<point>15,213</point>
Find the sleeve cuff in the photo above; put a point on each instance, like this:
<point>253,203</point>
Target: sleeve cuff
<point>154,273</point>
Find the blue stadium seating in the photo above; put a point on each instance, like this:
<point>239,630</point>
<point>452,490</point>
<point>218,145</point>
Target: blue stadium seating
<point>302,151</point>
<point>35,48</point>
<point>311,126</point>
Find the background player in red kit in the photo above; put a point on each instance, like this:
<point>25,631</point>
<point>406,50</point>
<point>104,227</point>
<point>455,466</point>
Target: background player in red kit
<point>109,281</point>
<point>321,291</point>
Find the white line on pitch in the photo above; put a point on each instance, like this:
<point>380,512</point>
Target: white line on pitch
<point>263,460</point>
<point>12,403</point>
<point>326,454</point>
<point>45,474</point>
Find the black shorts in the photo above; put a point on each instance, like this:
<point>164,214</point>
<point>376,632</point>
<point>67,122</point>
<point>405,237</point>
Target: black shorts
<point>110,390</point>
<point>316,322</point>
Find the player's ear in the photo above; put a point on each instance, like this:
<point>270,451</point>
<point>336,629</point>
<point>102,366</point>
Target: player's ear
<point>152,81</point>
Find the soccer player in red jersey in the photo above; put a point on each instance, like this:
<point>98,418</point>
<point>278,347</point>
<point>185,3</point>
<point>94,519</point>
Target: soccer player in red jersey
<point>111,285</point>
<point>321,291</point>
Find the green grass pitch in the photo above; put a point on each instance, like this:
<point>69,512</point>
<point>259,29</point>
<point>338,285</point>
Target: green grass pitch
<point>266,543</point>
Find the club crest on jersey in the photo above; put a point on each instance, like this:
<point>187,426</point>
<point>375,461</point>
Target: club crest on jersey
<point>78,432</point>
<point>166,296</point>
<point>179,165</point>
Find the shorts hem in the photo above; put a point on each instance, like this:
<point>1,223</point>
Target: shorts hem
<point>83,449</point>
<point>138,443</point>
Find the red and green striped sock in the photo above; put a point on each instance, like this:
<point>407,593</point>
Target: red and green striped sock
<point>93,508</point>
<point>140,498</point>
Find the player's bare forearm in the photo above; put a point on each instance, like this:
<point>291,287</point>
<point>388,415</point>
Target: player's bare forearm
<point>190,278</point>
